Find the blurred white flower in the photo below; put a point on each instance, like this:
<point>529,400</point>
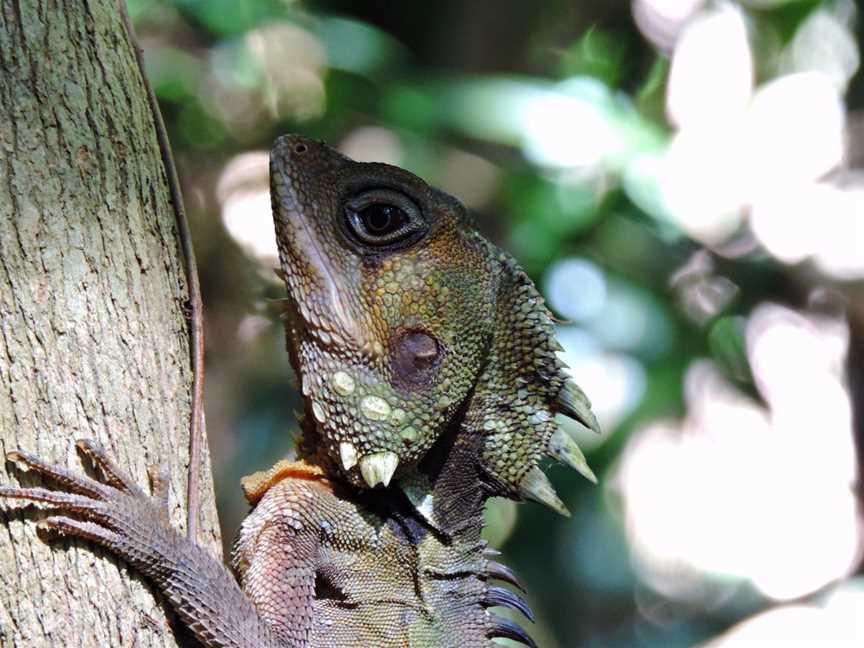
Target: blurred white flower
<point>746,492</point>
<point>835,622</point>
<point>711,77</point>
<point>662,20</point>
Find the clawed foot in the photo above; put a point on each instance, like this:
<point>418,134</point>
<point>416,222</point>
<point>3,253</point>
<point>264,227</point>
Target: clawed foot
<point>101,511</point>
<point>112,511</point>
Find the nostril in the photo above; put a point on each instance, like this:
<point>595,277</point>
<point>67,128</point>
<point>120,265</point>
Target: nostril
<point>300,148</point>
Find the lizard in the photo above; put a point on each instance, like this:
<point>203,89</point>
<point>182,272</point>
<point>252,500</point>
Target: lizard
<point>430,378</point>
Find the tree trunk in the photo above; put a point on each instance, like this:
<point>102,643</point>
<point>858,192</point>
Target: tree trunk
<point>93,335</point>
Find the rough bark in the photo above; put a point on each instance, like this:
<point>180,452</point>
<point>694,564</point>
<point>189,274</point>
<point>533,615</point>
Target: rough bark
<point>93,334</point>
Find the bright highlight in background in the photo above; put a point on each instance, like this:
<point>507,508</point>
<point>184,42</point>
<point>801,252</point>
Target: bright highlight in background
<point>738,490</point>
<point>243,192</point>
<point>835,621</point>
<point>705,88</point>
<point>572,125</point>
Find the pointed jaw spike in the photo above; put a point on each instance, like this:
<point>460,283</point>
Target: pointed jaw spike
<point>535,486</point>
<point>563,448</point>
<point>348,454</point>
<point>378,468</point>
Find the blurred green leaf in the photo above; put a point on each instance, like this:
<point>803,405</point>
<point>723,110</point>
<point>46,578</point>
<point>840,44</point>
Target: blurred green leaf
<point>234,64</point>
<point>410,107</point>
<point>596,53</point>
<point>729,347</point>
<point>500,519</point>
<point>230,17</point>
<point>358,47</point>
<point>174,73</point>
<point>783,15</point>
<point>198,129</point>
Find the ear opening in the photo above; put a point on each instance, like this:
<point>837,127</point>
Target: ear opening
<point>525,384</point>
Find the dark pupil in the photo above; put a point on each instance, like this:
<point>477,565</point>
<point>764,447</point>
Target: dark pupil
<point>382,219</point>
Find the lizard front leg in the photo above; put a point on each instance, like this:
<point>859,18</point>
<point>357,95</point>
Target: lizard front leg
<point>116,514</point>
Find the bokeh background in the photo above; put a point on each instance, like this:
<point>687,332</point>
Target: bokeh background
<point>684,180</point>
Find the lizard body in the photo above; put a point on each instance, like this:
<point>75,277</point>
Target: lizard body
<point>380,576</point>
<point>431,382</point>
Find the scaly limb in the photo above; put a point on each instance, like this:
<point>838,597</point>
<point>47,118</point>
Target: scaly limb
<point>117,514</point>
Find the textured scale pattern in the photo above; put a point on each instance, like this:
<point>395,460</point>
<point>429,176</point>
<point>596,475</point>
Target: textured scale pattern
<point>370,585</point>
<point>431,382</point>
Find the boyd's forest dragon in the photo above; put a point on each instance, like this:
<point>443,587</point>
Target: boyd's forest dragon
<point>431,382</point>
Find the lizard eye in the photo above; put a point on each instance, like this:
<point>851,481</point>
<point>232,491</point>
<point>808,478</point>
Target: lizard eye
<point>380,219</point>
<point>384,218</point>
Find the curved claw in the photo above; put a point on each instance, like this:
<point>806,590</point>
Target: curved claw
<point>506,629</point>
<point>114,476</point>
<point>68,501</point>
<point>498,596</point>
<point>498,571</point>
<point>80,529</point>
<point>97,502</point>
<point>75,483</point>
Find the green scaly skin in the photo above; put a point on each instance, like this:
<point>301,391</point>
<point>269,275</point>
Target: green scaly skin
<point>431,382</point>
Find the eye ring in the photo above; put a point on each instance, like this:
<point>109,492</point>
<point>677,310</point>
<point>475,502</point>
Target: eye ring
<point>384,218</point>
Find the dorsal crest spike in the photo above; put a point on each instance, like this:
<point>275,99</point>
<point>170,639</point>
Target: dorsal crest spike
<point>563,448</point>
<point>537,487</point>
<point>519,393</point>
<point>573,403</point>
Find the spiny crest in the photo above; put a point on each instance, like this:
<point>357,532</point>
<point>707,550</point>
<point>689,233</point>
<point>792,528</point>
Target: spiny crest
<point>521,391</point>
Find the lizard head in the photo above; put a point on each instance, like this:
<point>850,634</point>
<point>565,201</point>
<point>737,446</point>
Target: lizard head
<point>402,320</point>
<point>392,299</point>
